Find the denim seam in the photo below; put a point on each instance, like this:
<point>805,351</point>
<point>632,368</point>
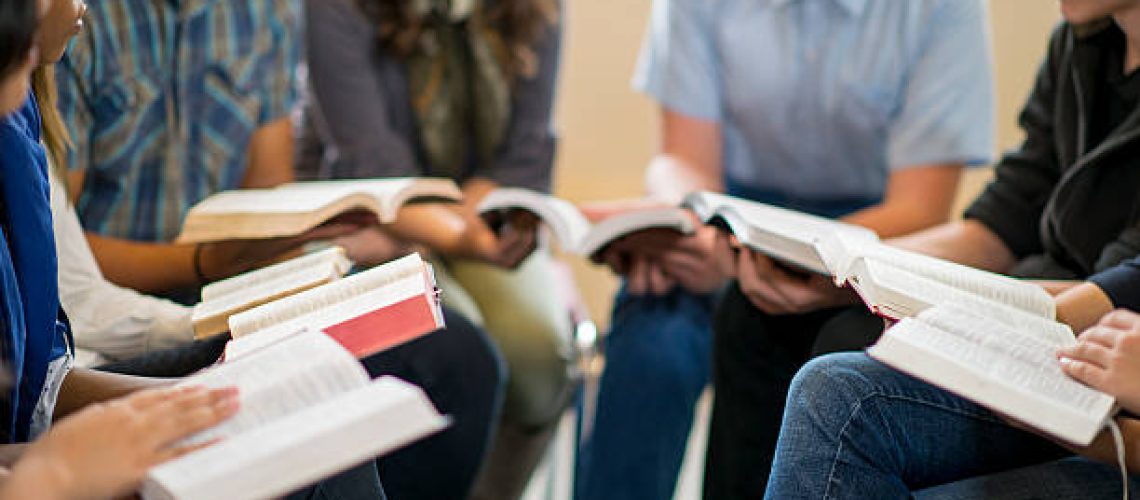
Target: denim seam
<point>858,406</point>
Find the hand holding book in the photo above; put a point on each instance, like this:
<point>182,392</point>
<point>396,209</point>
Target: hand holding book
<point>217,260</point>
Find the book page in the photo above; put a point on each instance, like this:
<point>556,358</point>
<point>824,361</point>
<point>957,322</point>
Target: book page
<point>909,294</point>
<point>563,218</point>
<point>1004,353</point>
<point>261,293</point>
<point>1009,291</point>
<point>303,447</point>
<point>324,296</point>
<point>297,372</point>
<point>335,256</point>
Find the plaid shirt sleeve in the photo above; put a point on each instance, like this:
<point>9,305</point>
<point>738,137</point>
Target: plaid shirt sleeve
<point>279,95</point>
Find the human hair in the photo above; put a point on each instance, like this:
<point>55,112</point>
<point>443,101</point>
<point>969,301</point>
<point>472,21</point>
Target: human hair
<point>518,24</point>
<point>18,20</point>
<point>55,136</point>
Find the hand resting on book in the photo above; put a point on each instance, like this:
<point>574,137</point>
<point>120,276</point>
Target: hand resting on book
<point>1106,357</point>
<point>105,450</point>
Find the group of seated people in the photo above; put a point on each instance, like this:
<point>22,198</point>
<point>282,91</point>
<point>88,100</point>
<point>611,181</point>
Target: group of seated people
<point>118,116</point>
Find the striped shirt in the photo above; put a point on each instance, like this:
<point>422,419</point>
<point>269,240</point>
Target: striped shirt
<point>162,98</point>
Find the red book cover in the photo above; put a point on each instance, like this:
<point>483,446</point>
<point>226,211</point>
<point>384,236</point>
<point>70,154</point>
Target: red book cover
<point>386,327</point>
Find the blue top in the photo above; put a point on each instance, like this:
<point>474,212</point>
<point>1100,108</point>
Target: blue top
<point>819,100</point>
<point>162,97</point>
<point>34,332</point>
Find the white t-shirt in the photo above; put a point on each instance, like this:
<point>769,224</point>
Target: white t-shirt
<point>108,322</point>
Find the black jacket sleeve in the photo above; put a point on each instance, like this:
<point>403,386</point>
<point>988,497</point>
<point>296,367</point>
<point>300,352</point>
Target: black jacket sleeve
<point>1012,204</point>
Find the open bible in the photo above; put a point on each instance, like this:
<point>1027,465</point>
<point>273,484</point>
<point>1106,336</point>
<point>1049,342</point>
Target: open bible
<point>292,209</point>
<point>308,411</point>
<point>573,230</point>
<point>893,282</point>
<point>366,312</point>
<point>223,299</point>
<point>1010,370</point>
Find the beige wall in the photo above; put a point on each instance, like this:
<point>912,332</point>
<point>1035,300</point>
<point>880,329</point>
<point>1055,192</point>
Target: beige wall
<point>608,130</point>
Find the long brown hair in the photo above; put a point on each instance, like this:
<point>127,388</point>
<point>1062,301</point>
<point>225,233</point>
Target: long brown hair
<point>520,24</point>
<point>55,135</point>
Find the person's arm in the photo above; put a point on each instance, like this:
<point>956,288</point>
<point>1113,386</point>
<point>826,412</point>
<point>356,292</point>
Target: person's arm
<point>82,387</point>
<point>349,107</point>
<point>113,321</point>
<point>916,198</point>
<point>106,450</point>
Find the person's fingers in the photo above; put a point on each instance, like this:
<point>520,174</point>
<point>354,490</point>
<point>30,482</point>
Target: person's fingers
<point>637,280</point>
<point>755,284</point>
<point>173,452</point>
<point>1089,352</point>
<point>1121,318</point>
<point>1091,375</point>
<point>659,283</point>
<point>359,218</point>
<point>198,415</point>
<point>1103,335</point>
<point>724,255</point>
<point>146,398</point>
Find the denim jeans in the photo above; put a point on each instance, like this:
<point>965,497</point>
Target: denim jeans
<point>855,428</point>
<point>657,365</point>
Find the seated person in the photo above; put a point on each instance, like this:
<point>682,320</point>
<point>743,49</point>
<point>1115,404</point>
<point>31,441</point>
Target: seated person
<point>35,330</point>
<point>1062,207</point>
<point>376,110</point>
<point>855,428</point>
<point>866,110</point>
<point>153,136</point>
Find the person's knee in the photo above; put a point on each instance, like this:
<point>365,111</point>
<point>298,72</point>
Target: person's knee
<point>829,387</point>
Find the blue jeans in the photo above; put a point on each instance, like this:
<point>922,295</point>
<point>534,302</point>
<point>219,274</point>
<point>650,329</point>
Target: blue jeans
<point>657,365</point>
<point>855,428</point>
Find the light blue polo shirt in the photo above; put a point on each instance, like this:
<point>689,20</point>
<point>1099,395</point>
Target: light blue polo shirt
<point>819,100</point>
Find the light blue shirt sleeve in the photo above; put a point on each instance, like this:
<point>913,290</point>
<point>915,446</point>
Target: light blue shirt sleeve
<point>947,113</point>
<point>678,66</point>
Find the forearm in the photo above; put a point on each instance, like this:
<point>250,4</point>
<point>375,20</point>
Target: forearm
<point>669,178</point>
<point>893,220</point>
<point>146,267</point>
<point>439,227</point>
<point>84,386</point>
<point>966,242</point>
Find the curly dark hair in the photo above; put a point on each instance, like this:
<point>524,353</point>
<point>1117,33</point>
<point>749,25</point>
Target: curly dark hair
<point>520,24</point>
<point>18,21</point>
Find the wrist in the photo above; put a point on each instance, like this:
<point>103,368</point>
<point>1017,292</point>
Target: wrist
<point>47,477</point>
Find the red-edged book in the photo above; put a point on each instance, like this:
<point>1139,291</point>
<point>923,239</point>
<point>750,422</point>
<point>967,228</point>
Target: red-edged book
<point>366,313</point>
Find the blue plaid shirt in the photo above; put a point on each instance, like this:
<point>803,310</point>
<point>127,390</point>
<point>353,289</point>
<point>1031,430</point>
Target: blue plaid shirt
<point>162,98</point>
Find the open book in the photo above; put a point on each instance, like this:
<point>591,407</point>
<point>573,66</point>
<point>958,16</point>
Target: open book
<point>294,208</point>
<point>894,282</point>
<point>365,312</point>
<point>1012,371</point>
<point>308,411</point>
<point>223,299</point>
<point>574,232</point>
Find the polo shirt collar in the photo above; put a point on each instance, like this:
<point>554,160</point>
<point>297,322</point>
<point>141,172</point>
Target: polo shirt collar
<point>852,7</point>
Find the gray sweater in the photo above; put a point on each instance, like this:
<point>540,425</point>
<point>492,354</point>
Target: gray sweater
<point>360,121</point>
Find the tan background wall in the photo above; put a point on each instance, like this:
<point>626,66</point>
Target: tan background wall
<point>608,130</point>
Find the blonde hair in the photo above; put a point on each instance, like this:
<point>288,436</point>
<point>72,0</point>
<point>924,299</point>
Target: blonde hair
<point>56,139</point>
